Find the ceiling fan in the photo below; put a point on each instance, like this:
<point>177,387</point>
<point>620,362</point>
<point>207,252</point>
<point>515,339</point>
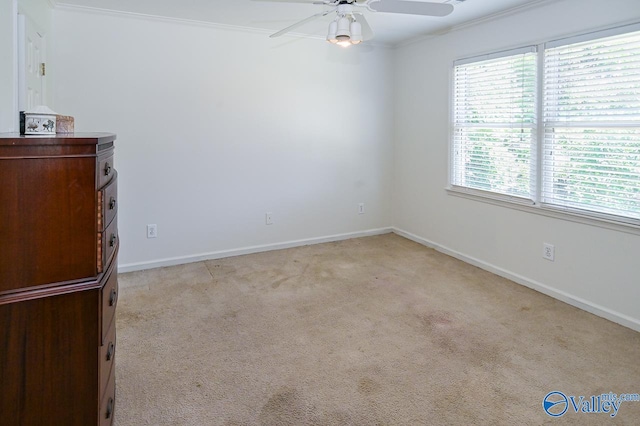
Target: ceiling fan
<point>350,26</point>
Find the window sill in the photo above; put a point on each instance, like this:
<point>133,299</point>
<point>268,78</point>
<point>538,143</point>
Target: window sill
<point>529,207</point>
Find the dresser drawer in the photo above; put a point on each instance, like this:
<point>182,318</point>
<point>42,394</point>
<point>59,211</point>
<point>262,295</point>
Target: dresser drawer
<point>108,206</point>
<point>109,300</point>
<point>105,170</point>
<point>108,402</point>
<point>107,357</point>
<point>58,279</point>
<point>107,243</point>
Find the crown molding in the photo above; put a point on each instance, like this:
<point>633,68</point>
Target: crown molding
<point>183,21</point>
<point>495,16</point>
<point>158,18</point>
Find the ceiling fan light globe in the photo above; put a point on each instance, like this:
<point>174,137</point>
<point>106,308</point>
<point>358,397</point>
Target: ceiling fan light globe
<point>356,30</point>
<point>331,35</point>
<point>344,43</point>
<point>344,27</point>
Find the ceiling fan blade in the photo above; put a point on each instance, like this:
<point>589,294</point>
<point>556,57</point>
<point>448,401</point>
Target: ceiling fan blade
<point>412,7</point>
<point>367,32</point>
<point>304,21</point>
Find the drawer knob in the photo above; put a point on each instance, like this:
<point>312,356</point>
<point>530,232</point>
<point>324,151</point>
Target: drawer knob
<point>110,351</point>
<point>112,297</point>
<point>112,240</point>
<point>112,203</point>
<point>107,168</point>
<point>109,411</point>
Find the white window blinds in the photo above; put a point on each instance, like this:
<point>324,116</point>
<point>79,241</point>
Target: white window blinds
<point>591,147</point>
<point>493,146</point>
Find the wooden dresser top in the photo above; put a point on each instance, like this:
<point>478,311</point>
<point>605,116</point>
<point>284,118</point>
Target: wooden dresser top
<point>58,139</point>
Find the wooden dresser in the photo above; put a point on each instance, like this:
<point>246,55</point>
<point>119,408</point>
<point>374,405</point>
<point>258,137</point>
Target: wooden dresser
<point>58,279</point>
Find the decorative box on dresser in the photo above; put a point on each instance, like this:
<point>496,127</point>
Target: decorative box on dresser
<point>58,279</point>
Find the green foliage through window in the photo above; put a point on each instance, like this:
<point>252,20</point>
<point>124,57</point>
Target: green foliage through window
<point>589,149</point>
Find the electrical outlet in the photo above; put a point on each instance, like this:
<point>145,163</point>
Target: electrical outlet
<point>268,218</point>
<point>548,252</point>
<point>361,208</point>
<point>152,231</point>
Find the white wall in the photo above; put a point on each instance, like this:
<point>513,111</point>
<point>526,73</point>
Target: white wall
<point>595,268</point>
<point>40,12</point>
<point>216,127</point>
<point>8,94</point>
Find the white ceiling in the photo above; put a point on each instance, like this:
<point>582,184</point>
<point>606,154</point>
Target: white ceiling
<point>389,28</point>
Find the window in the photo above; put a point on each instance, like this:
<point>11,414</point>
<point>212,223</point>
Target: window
<point>558,129</point>
<point>495,123</point>
<point>592,125</point>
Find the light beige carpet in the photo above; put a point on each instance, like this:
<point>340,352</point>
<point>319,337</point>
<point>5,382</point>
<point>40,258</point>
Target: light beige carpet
<point>370,331</point>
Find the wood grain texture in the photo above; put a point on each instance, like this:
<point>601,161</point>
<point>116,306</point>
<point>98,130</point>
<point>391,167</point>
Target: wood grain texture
<point>48,363</point>
<point>48,221</point>
<point>54,300</point>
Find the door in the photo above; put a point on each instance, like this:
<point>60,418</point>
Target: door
<point>31,64</point>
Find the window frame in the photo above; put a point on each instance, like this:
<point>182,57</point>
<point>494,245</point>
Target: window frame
<point>495,125</point>
<point>594,218</point>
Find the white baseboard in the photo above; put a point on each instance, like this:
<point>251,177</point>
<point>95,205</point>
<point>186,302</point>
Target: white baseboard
<point>585,305</point>
<point>131,267</point>
<point>601,311</point>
